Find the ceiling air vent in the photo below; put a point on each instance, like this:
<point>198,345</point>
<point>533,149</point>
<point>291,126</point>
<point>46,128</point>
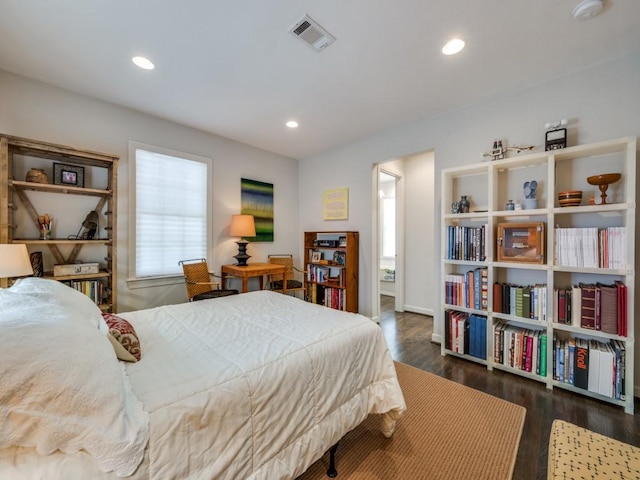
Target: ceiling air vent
<point>308,30</point>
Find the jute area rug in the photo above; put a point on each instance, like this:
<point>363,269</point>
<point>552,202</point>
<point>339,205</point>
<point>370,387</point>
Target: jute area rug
<point>448,432</point>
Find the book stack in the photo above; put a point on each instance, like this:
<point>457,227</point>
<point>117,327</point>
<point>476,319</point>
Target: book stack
<point>466,243</point>
<point>466,334</point>
<point>591,365</point>
<point>526,301</point>
<point>468,289</point>
<point>592,306</point>
<point>94,289</point>
<point>520,348</point>
<point>591,247</point>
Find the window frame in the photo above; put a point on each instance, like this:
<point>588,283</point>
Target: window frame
<point>172,279</point>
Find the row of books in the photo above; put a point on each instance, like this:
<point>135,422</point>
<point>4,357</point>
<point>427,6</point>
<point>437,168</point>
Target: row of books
<point>592,306</point>
<point>591,365</point>
<point>591,247</point>
<point>465,333</point>
<point>468,289</point>
<point>467,243</point>
<point>521,348</point>
<point>94,289</point>
<point>322,274</point>
<point>526,301</point>
<point>327,296</point>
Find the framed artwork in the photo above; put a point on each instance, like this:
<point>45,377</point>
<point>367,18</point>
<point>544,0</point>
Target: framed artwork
<point>257,200</point>
<point>336,204</point>
<point>68,175</point>
<point>316,257</point>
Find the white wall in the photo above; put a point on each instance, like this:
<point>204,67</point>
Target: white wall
<point>34,110</point>
<point>601,102</point>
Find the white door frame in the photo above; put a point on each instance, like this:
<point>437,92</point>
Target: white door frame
<point>375,231</point>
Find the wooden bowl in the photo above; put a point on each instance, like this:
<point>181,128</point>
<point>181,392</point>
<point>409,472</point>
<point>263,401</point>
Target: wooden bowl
<point>570,198</point>
<point>604,178</point>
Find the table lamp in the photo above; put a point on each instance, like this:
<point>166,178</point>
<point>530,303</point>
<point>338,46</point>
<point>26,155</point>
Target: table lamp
<point>242,226</point>
<point>14,260</point>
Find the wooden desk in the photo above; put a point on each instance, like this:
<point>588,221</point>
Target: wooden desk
<point>254,270</point>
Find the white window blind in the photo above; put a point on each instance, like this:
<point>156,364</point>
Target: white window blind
<point>170,212</point>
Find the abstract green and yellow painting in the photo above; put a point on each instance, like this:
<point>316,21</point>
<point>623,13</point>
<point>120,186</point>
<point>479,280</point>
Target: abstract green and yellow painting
<point>257,200</point>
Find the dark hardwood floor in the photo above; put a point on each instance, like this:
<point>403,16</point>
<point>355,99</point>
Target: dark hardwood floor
<point>409,338</point>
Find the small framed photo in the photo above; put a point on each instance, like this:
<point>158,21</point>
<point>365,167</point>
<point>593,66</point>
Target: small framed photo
<point>68,175</point>
<point>339,257</point>
<point>316,257</point>
<point>342,241</point>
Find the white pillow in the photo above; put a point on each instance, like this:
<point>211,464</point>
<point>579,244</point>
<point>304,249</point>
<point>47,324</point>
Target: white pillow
<point>62,387</point>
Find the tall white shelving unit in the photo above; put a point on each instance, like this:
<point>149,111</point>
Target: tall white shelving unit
<point>490,185</point>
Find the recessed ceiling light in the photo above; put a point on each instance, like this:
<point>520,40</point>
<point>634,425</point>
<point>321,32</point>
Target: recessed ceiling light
<point>453,46</point>
<point>292,124</point>
<point>143,62</point>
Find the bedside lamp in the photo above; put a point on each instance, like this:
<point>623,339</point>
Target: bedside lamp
<point>14,260</point>
<point>242,226</point>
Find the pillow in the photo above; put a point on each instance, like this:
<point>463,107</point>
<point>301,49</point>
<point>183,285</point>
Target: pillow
<point>123,337</point>
<point>62,387</point>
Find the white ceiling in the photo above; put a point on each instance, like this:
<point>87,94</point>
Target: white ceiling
<point>231,67</point>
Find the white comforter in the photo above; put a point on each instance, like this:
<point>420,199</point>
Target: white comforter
<point>253,386</point>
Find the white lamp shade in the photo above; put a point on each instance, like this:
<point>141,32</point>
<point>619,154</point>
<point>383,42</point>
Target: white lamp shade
<point>14,261</point>
<point>242,226</point>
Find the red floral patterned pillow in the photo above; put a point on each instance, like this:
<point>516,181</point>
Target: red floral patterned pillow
<point>123,337</point>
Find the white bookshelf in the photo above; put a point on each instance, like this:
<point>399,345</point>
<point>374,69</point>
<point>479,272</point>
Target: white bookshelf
<point>489,186</point>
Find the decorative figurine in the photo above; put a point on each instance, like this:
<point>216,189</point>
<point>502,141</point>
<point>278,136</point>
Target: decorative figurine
<point>510,205</point>
<point>530,189</point>
<point>464,204</point>
<point>499,150</point>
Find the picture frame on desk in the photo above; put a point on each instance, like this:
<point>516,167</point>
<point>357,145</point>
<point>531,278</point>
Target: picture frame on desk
<point>71,175</point>
<point>521,242</point>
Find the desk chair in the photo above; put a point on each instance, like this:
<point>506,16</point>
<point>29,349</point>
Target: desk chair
<point>275,280</point>
<point>198,281</point>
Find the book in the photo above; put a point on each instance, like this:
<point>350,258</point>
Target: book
<point>594,367</point>
<point>543,354</point>
<point>576,307</point>
<point>581,367</point>
<point>608,308</point>
<point>588,306</point>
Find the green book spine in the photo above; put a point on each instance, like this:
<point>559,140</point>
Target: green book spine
<point>543,355</point>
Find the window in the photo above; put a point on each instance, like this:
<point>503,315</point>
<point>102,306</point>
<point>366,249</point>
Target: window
<point>389,227</point>
<point>169,211</point>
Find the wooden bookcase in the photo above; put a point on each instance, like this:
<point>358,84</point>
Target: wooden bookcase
<point>475,259</point>
<point>331,263</point>
<point>17,156</point>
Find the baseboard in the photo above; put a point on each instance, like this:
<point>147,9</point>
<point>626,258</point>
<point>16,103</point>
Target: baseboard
<point>420,310</point>
<point>436,338</point>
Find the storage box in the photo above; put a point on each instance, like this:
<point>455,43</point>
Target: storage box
<point>75,269</point>
<point>521,242</point>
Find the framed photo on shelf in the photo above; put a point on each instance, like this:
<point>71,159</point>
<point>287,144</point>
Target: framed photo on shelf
<point>68,175</point>
<point>316,257</point>
<point>521,242</point>
<point>342,241</point>
<point>339,257</point>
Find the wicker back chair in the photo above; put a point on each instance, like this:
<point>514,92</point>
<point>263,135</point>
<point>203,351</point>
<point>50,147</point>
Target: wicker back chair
<point>198,281</point>
<point>275,280</point>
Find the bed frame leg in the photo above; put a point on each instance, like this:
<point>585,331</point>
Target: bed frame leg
<point>331,471</point>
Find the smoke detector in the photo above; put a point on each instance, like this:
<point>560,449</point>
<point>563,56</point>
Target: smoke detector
<point>587,9</point>
<point>312,34</point>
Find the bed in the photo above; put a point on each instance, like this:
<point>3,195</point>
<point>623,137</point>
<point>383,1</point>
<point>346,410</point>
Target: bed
<point>251,386</point>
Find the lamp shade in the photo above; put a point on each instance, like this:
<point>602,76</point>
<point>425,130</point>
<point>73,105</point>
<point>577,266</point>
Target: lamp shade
<point>242,226</point>
<point>14,261</point>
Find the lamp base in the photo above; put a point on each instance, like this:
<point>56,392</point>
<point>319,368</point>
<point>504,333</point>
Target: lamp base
<point>242,256</point>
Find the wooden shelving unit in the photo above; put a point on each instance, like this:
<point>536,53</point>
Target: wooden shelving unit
<point>14,195</point>
<point>331,263</point>
<point>491,186</point>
